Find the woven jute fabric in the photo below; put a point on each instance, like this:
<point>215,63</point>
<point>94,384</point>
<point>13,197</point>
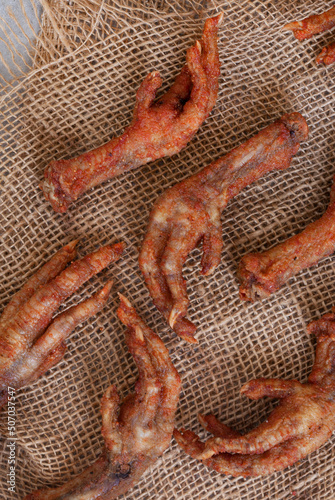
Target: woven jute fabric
<point>89,60</point>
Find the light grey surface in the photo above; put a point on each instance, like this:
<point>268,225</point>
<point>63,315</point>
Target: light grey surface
<point>18,29</point>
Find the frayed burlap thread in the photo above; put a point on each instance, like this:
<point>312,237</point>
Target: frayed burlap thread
<point>89,59</point>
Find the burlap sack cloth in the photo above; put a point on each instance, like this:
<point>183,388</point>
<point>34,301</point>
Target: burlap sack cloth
<point>89,60</point>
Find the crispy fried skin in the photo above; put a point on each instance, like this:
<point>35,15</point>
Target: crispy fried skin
<point>312,25</point>
<point>30,341</point>
<point>136,433</point>
<point>159,128</point>
<point>261,274</point>
<point>327,55</point>
<point>190,211</point>
<point>302,422</point>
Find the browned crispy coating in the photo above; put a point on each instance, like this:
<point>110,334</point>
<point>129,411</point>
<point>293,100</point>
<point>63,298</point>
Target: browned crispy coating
<point>159,128</point>
<point>302,422</point>
<point>261,274</point>
<point>189,212</point>
<point>135,433</point>
<point>327,55</point>
<point>313,25</point>
<point>30,341</point>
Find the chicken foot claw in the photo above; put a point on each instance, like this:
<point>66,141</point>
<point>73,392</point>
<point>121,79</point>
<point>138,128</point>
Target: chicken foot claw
<point>158,129</point>
<point>189,212</point>
<point>31,342</point>
<point>135,433</point>
<point>299,425</point>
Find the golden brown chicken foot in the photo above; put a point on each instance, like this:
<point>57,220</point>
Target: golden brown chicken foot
<point>300,424</point>
<point>327,55</point>
<point>312,25</point>
<point>189,212</point>
<point>158,129</point>
<point>261,274</point>
<point>135,433</point>
<point>30,341</point>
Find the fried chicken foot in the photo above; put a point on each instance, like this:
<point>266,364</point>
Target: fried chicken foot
<point>158,129</point>
<point>302,422</point>
<point>136,433</point>
<point>262,274</point>
<point>189,212</point>
<point>313,25</point>
<point>30,341</point>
